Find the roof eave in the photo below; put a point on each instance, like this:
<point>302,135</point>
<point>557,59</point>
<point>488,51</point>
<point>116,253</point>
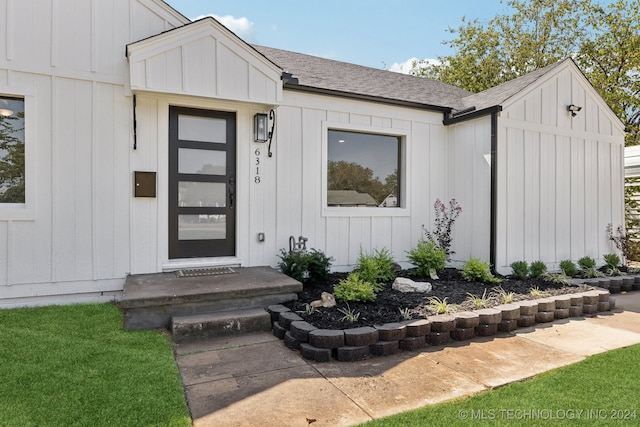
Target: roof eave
<point>450,120</point>
<point>369,98</point>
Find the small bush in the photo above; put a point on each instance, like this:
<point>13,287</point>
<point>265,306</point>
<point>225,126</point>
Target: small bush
<point>476,270</point>
<point>354,288</point>
<point>427,256</point>
<point>557,278</point>
<point>376,267</point>
<point>537,269</point>
<point>612,260</point>
<point>568,267</point>
<point>520,269</point>
<point>300,265</point>
<point>586,262</point>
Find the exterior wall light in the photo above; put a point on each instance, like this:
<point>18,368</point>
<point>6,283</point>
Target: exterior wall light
<point>260,123</point>
<point>573,109</point>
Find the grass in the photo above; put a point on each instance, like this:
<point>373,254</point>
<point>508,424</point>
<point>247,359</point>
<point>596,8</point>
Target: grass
<point>601,390</point>
<point>75,366</point>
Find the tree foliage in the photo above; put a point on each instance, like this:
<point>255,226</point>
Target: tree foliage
<point>604,41</point>
<point>342,175</point>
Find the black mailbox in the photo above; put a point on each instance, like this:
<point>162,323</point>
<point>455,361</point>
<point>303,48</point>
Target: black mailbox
<point>144,184</point>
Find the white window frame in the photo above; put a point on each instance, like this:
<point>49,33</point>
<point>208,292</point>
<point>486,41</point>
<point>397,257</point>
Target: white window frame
<point>24,211</point>
<point>403,173</point>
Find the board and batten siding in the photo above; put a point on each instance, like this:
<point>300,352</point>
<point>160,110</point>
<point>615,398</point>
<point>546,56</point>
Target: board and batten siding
<point>560,178</point>
<point>70,241</point>
<point>470,177</point>
<point>300,148</point>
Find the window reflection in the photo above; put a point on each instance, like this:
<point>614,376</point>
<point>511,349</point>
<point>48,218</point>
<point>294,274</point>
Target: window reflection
<point>362,170</point>
<point>12,157</point>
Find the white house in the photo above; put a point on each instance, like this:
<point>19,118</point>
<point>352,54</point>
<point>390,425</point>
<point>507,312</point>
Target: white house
<point>140,155</point>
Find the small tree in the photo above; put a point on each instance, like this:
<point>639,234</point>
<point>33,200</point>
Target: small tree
<point>443,225</point>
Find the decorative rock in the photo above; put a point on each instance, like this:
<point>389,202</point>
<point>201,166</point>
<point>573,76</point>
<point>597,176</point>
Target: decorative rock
<point>412,343</point>
<point>314,353</point>
<point>278,331</point>
<point>327,300</point>
<point>275,310</point>
<point>300,330</point>
<point>287,317</point>
<point>391,331</point>
<point>351,354</point>
<point>358,337</point>
<point>463,334</point>
<point>418,327</point>
<point>466,319</point>
<point>442,323</point>
<point>291,342</point>
<point>438,338</point>
<point>402,284</point>
<point>326,338</point>
<point>385,348</point>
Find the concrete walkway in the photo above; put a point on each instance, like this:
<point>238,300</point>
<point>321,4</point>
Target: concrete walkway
<point>256,381</point>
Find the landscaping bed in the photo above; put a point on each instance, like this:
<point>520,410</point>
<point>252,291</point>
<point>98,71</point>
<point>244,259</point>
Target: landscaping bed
<point>407,321</point>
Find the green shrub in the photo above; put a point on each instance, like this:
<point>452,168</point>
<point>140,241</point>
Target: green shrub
<point>537,269</point>
<point>588,267</point>
<point>427,256</point>
<point>300,265</point>
<point>376,267</point>
<point>568,267</point>
<point>476,270</point>
<point>354,288</point>
<point>586,262</point>
<point>520,269</point>
<point>612,260</point>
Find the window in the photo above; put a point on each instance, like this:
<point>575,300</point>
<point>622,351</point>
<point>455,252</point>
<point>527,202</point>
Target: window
<point>362,170</point>
<point>12,154</point>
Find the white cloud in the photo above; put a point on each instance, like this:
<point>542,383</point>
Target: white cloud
<point>242,27</point>
<point>406,66</point>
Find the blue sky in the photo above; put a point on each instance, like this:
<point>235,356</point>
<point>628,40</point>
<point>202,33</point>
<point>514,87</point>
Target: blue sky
<point>375,33</point>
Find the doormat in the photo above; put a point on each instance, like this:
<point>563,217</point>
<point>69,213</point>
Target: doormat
<point>196,272</point>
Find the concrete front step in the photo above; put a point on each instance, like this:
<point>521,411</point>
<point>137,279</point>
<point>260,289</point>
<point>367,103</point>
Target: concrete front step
<point>149,301</point>
<point>227,323</point>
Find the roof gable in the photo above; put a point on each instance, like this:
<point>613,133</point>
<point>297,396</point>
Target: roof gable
<point>203,58</point>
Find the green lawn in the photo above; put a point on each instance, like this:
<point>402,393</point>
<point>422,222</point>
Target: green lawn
<point>75,366</point>
<point>601,390</point>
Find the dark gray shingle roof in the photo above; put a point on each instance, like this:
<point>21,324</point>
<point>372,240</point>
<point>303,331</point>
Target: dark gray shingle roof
<point>322,73</point>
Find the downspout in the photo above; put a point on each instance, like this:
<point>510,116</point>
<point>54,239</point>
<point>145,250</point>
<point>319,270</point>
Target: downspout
<point>493,231</point>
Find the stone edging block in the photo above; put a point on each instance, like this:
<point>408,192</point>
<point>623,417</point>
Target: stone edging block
<point>321,345</point>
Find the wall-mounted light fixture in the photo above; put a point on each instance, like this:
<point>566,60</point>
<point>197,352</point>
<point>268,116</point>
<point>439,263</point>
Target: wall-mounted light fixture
<point>6,112</point>
<point>260,132</point>
<point>573,109</point>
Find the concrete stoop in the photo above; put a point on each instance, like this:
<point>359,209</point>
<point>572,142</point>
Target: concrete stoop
<point>221,324</point>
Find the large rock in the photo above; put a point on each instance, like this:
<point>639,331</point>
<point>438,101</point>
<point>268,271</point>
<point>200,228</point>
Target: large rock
<point>403,284</point>
<point>328,300</point>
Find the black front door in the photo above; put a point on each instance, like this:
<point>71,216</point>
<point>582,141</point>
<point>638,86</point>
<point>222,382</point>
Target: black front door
<point>202,160</point>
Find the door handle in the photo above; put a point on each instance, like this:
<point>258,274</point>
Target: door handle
<point>231,196</point>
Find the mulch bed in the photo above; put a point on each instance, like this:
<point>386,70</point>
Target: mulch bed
<point>389,303</point>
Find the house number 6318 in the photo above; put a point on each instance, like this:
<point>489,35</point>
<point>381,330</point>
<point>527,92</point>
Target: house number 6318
<point>256,178</point>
